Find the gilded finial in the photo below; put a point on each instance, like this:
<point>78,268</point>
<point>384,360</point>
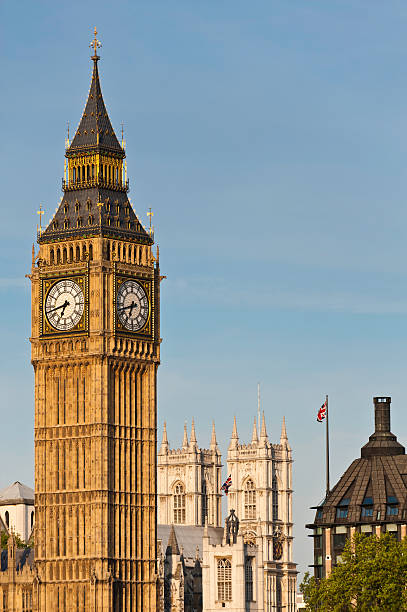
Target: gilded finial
<point>95,44</point>
<point>150,214</point>
<point>67,143</point>
<point>40,212</point>
<point>123,141</point>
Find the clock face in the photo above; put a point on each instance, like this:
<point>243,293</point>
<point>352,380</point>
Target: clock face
<point>132,305</point>
<point>64,305</point>
<point>277,549</point>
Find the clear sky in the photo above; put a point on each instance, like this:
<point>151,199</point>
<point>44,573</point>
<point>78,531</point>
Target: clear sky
<point>269,137</point>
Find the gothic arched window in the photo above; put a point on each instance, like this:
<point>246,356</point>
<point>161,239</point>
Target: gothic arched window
<point>7,517</point>
<point>179,503</point>
<point>224,575</point>
<point>249,500</point>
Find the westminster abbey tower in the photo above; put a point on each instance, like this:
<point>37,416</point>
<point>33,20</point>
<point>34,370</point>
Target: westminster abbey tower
<point>95,352</point>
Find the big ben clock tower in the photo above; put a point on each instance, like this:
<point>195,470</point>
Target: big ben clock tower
<point>95,351</point>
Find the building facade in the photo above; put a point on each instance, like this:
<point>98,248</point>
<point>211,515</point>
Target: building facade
<point>370,497</point>
<point>247,564</point>
<point>253,569</point>
<point>189,482</point>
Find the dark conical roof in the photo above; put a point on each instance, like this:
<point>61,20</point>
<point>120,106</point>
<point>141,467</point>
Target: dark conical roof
<point>95,206</point>
<point>95,129</point>
<point>172,545</point>
<point>379,476</point>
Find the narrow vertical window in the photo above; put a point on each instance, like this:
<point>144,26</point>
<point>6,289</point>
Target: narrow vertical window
<point>179,504</point>
<point>274,499</point>
<point>84,400</point>
<point>64,404</point>
<point>249,500</point>
<point>224,578</point>
<point>204,502</point>
<point>248,572</point>
<point>57,401</point>
<point>77,400</point>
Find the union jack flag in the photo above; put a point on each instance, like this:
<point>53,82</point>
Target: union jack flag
<point>322,412</point>
<point>227,484</point>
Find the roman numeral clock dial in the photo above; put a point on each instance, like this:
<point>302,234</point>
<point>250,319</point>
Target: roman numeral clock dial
<point>64,305</point>
<point>132,305</point>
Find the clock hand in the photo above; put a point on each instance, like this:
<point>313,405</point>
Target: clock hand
<point>126,307</point>
<point>132,306</point>
<point>64,305</point>
<point>63,309</point>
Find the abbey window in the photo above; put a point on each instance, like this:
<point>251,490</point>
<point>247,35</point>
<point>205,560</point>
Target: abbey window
<point>224,579</point>
<point>179,504</point>
<point>249,500</point>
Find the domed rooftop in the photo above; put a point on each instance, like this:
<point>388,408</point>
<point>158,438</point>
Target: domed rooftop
<point>374,488</point>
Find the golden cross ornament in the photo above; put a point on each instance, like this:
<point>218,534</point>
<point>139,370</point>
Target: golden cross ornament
<point>95,43</point>
<point>150,214</point>
<point>40,212</point>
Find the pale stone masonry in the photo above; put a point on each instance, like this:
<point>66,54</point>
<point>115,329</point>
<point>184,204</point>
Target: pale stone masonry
<point>247,566</point>
<point>189,482</point>
<point>253,569</point>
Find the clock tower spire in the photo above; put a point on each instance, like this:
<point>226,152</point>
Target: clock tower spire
<point>95,351</point>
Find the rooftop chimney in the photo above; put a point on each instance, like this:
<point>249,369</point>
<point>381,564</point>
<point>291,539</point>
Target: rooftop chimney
<point>382,442</point>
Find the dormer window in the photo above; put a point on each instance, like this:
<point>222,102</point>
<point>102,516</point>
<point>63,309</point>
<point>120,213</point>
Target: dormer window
<point>88,203</point>
<point>79,222</point>
<point>342,509</point>
<point>392,507</point>
<point>66,208</point>
<point>66,223</point>
<point>90,220</point>
<point>77,206</point>
<point>367,507</point>
<point>55,225</point>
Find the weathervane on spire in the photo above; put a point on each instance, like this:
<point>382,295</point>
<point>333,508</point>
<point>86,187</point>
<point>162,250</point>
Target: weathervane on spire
<point>95,44</point>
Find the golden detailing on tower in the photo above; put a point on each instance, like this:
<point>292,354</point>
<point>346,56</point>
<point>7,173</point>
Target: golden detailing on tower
<point>95,352</point>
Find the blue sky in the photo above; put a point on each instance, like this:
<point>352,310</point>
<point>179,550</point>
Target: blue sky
<point>270,140</point>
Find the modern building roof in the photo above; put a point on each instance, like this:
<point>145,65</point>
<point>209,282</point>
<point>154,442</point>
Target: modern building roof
<point>187,538</point>
<point>376,481</point>
<point>16,493</point>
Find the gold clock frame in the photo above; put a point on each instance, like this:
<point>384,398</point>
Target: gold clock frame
<point>146,332</point>
<point>46,284</point>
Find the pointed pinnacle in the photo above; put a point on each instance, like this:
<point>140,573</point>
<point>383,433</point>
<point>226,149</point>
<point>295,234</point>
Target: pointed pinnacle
<point>235,438</point>
<point>172,543</point>
<point>193,434</point>
<point>255,438</point>
<point>263,432</point>
<point>234,432</point>
<point>283,430</point>
<point>214,442</point>
<point>185,440</point>
<point>164,441</point>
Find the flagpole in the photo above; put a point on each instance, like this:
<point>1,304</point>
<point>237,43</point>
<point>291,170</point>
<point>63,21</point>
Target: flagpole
<point>327,450</point>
